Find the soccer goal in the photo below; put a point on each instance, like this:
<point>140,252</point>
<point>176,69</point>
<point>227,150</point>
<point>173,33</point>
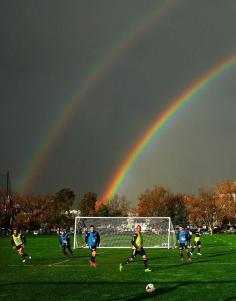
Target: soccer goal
<point>116,232</point>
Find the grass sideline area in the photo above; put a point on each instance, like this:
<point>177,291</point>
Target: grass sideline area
<point>51,277</point>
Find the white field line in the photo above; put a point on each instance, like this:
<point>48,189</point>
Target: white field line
<point>59,264</point>
<point>167,264</point>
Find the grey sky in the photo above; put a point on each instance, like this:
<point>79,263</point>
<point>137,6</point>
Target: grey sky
<point>48,47</point>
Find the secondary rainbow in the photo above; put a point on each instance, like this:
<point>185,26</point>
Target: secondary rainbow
<point>151,134</point>
<point>49,140</point>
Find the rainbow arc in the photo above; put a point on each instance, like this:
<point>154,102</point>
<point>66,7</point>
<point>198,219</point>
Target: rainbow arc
<point>163,119</point>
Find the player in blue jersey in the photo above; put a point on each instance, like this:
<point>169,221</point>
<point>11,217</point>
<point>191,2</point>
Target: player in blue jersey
<point>92,240</point>
<point>183,244</point>
<point>64,241</point>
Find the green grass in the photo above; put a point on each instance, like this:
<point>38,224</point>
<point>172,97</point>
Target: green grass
<point>124,240</point>
<point>49,276</point>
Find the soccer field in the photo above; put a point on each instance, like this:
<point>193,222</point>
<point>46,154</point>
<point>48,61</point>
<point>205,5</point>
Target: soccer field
<point>50,276</point>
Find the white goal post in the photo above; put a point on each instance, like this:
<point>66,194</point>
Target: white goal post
<point>116,232</point>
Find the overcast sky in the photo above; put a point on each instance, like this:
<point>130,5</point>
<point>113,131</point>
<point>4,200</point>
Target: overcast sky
<point>49,47</point>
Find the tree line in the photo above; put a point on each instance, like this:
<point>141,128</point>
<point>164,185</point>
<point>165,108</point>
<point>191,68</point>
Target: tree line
<point>214,206</point>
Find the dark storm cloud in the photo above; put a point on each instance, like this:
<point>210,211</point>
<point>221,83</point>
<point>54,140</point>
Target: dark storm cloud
<point>47,49</point>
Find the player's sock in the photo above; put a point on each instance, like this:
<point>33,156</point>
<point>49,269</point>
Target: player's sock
<point>199,251</point>
<point>145,263</point>
<point>23,257</point>
<point>129,260</point>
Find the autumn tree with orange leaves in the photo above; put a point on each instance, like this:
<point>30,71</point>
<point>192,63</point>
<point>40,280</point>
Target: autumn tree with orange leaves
<point>159,201</point>
<point>152,202</point>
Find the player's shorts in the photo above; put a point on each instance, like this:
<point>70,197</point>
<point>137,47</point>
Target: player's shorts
<point>188,242</point>
<point>19,247</point>
<point>197,243</point>
<point>183,247</point>
<point>92,248</point>
<point>139,251</point>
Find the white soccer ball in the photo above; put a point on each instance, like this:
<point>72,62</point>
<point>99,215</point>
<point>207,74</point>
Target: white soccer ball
<point>150,288</point>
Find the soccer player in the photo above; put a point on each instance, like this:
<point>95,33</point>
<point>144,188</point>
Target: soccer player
<point>137,249</point>
<point>64,241</point>
<point>189,237</point>
<point>18,242</point>
<point>92,239</point>
<point>182,239</point>
<point>197,242</point>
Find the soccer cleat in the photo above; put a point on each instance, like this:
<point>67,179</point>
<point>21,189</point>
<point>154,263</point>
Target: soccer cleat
<point>91,263</point>
<point>181,259</point>
<point>94,264</point>
<point>191,253</point>
<point>147,270</point>
<point>23,260</point>
<point>199,254</point>
<point>121,267</point>
<point>29,257</point>
<point>189,259</point>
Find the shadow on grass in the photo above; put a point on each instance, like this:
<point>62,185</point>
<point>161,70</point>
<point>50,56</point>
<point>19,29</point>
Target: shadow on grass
<point>222,254</point>
<point>145,296</point>
<point>179,283</point>
<point>230,298</point>
<point>165,288</point>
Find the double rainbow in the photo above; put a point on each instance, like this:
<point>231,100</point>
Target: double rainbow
<point>60,122</point>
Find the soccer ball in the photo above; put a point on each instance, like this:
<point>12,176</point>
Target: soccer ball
<point>150,288</point>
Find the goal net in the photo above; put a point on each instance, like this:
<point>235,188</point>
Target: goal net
<point>116,232</point>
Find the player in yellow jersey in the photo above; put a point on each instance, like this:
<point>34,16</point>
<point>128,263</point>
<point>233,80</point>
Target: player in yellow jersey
<point>137,249</point>
<point>18,242</point>
<point>197,242</point>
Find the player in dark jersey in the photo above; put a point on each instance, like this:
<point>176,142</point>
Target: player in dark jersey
<point>92,239</point>
<point>18,242</point>
<point>182,239</point>
<point>188,235</point>
<point>137,249</point>
<point>197,242</point>
<point>64,241</point>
